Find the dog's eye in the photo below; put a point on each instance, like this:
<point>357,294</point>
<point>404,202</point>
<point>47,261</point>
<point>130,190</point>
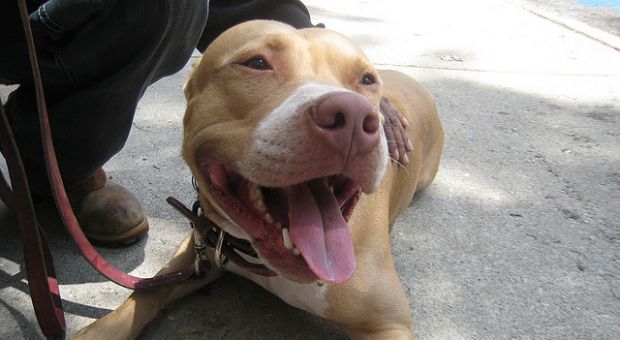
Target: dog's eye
<point>257,63</point>
<point>367,79</point>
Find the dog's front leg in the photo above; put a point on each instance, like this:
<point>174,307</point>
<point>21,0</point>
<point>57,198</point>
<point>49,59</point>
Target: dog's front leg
<point>128,320</point>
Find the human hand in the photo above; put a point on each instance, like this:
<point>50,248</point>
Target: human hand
<point>395,126</point>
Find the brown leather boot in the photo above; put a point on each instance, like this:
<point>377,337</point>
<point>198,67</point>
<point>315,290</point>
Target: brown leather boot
<point>109,214</point>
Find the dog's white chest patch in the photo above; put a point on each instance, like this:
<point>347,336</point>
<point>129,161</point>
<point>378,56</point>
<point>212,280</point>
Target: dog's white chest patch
<point>309,297</point>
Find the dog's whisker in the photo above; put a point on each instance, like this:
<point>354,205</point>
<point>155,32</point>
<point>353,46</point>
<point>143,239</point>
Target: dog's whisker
<point>399,164</point>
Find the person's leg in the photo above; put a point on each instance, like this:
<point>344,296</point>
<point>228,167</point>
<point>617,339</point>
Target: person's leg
<point>224,14</point>
<point>94,72</point>
<point>94,76</point>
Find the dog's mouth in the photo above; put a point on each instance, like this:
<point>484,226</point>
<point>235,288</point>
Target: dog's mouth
<point>300,231</point>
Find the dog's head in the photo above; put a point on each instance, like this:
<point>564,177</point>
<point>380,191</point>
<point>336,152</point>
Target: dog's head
<point>283,133</point>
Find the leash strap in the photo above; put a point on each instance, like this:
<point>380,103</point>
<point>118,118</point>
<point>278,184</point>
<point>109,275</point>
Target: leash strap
<point>42,282</point>
<point>60,196</point>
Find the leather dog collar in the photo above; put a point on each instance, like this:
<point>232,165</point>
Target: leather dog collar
<point>209,234</point>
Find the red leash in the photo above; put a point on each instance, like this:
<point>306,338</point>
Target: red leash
<point>42,281</point>
<point>58,189</point>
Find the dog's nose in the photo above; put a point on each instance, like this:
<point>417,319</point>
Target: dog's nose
<point>348,122</point>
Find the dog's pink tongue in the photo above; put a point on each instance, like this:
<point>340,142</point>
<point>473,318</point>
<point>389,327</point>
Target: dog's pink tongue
<point>319,231</point>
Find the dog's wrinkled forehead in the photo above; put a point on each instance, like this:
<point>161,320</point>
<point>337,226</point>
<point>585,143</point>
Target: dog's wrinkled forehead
<point>259,35</point>
<point>298,55</point>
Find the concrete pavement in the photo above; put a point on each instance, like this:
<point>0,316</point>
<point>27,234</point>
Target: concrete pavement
<point>519,236</point>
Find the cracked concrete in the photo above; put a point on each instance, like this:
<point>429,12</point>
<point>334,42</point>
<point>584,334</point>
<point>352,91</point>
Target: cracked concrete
<point>518,237</point>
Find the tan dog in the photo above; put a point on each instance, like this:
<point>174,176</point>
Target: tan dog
<point>283,134</point>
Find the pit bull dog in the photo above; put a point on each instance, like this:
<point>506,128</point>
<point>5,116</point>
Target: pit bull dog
<point>283,134</point>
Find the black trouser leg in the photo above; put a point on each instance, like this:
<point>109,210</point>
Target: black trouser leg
<point>94,76</point>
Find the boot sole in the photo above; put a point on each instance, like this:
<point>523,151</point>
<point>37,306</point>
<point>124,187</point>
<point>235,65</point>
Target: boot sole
<point>119,240</point>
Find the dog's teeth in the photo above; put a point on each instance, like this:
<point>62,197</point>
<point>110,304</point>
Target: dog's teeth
<point>295,251</point>
<point>287,239</point>
<point>279,225</point>
<point>268,218</point>
<point>260,205</point>
<point>255,193</point>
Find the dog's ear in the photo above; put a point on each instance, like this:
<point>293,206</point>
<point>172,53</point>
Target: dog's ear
<point>189,86</point>
<point>192,85</point>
